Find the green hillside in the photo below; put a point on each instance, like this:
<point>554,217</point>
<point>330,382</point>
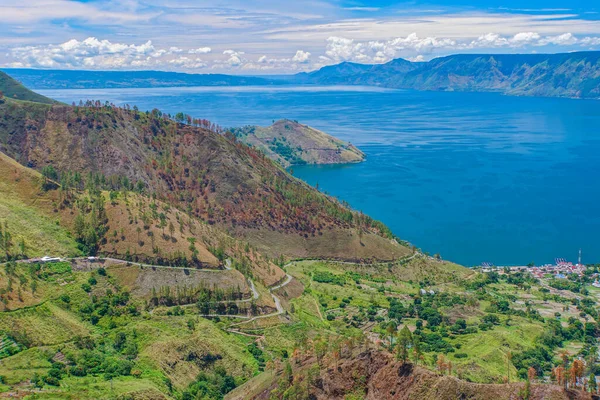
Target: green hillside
<point>209,176</point>
<point>11,88</point>
<point>195,267</point>
<point>291,143</point>
<point>26,213</point>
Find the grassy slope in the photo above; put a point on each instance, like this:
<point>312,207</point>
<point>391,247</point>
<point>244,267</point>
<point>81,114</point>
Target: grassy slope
<point>164,343</point>
<point>35,216</point>
<point>210,176</point>
<point>486,350</point>
<point>140,281</point>
<point>28,212</point>
<point>46,324</point>
<point>14,90</point>
<point>289,142</point>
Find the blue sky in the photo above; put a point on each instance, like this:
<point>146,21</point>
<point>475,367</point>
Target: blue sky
<point>268,36</point>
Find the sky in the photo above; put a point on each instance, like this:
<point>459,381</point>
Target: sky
<point>281,36</point>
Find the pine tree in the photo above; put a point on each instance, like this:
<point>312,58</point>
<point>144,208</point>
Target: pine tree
<point>391,329</point>
<point>405,340</point>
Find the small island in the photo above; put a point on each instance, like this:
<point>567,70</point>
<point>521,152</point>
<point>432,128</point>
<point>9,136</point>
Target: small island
<point>291,143</point>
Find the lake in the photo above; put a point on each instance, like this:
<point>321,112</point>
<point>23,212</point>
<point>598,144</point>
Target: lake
<point>475,177</point>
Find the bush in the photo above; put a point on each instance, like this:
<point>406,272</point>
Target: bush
<point>460,355</point>
<point>328,277</point>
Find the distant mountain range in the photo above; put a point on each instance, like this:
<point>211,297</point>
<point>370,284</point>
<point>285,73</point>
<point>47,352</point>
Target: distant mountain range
<point>574,75</point>
<point>69,79</point>
<point>555,75</point>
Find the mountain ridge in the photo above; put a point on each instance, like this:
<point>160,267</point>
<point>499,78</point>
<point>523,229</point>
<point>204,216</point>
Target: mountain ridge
<point>573,75</point>
<point>210,176</point>
<point>13,89</point>
<point>553,75</point>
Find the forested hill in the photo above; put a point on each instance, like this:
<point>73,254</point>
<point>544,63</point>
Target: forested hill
<point>188,165</point>
<point>13,89</point>
<point>291,143</point>
<point>555,75</point>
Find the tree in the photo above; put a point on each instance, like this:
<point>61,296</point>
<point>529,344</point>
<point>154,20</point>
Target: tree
<point>405,340</point>
<point>391,329</point>
<point>320,349</point>
<point>5,239</point>
<point>163,222</point>
<point>593,385</point>
<point>79,226</point>
<point>191,325</point>
<point>441,363</point>
<point>49,174</point>
<point>171,229</point>
<point>531,373</point>
<point>416,349</point>
<point>576,372</point>
<point>564,355</point>
<point>559,375</point>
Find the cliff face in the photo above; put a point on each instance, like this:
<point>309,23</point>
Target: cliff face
<point>291,143</point>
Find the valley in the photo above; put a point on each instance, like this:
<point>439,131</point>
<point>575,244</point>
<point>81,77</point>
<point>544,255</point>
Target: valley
<point>145,255</point>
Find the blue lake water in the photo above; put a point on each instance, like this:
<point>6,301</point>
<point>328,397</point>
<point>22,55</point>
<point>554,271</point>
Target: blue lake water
<point>475,177</point>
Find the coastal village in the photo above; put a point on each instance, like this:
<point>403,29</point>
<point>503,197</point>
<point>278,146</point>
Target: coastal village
<point>561,269</point>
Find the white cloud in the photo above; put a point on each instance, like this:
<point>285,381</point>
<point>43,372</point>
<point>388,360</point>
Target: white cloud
<point>200,50</point>
<point>590,41</point>
<point>300,61</point>
<point>418,58</point>
<point>301,57</point>
<point>344,49</point>
<point>488,40</point>
<point>235,58</point>
<point>32,11</point>
<point>565,39</point>
<point>525,37</point>
<point>187,63</point>
<point>93,53</point>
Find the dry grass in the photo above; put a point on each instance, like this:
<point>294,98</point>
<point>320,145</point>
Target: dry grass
<point>140,281</point>
<point>341,244</point>
<point>124,217</point>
